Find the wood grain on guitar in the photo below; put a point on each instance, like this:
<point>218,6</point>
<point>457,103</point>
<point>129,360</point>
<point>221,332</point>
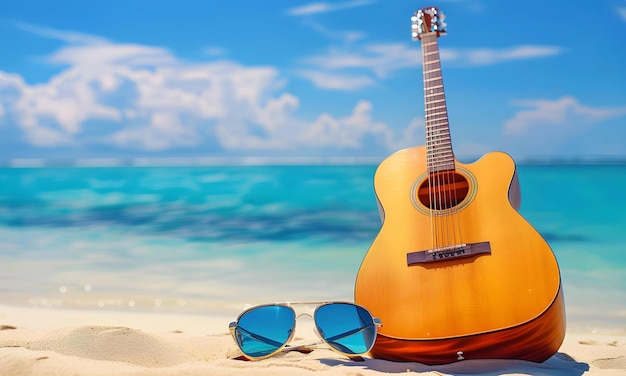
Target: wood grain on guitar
<point>455,271</point>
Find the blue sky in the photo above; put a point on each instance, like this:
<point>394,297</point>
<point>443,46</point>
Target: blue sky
<point>300,79</point>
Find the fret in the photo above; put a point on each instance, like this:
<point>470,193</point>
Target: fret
<point>434,131</point>
<point>433,91</point>
<point>435,72</point>
<point>437,113</point>
<point>432,75</point>
<point>440,161</point>
<point>433,95</point>
<point>444,165</point>
<point>433,114</point>
<point>438,168</point>
<point>435,108</point>
<point>436,101</point>
<point>442,140</point>
<point>427,72</point>
<point>442,158</point>
<point>433,82</point>
<point>433,87</point>
<point>437,132</point>
<point>430,114</point>
<point>438,122</point>
<point>442,147</point>
<point>439,152</point>
<point>439,155</point>
<point>437,89</point>
<point>443,126</point>
<point>439,128</point>
<point>431,61</point>
<point>443,137</point>
<point>437,137</point>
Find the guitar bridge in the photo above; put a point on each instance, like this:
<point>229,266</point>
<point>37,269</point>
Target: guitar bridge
<point>448,253</point>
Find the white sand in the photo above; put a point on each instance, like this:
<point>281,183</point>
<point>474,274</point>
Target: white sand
<point>72,342</point>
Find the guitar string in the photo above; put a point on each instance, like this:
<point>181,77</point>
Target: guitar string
<point>443,195</point>
<point>431,182</point>
<point>431,192</point>
<point>435,140</point>
<point>434,191</point>
<point>453,222</point>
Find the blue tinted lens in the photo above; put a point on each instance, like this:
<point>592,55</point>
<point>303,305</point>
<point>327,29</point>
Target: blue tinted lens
<point>265,329</point>
<point>346,327</point>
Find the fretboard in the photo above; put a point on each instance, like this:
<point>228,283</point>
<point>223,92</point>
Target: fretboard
<point>439,155</point>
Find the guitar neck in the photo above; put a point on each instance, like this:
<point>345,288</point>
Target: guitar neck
<point>438,142</point>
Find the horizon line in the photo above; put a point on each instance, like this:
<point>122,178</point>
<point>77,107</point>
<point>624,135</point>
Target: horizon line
<point>273,161</point>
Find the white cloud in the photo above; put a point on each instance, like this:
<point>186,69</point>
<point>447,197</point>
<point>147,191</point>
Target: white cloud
<point>65,36</point>
<point>10,87</point>
<point>145,98</point>
<point>333,81</point>
<point>381,59</point>
<point>621,11</point>
<point>323,7</point>
<point>345,36</point>
<point>414,131</point>
<point>347,132</point>
<point>335,69</point>
<point>481,57</point>
<point>564,112</point>
<point>107,53</point>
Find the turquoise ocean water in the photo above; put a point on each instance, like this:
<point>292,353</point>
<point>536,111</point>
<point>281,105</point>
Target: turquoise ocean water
<point>212,239</point>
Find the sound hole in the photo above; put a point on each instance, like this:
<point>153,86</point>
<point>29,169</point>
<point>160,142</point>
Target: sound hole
<point>443,190</point>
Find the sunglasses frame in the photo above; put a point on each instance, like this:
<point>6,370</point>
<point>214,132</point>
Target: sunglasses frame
<point>302,348</point>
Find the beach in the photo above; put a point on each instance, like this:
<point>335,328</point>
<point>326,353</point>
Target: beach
<point>82,342</point>
<point>139,271</point>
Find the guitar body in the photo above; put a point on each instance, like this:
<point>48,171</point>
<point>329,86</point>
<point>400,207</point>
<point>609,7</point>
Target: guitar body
<point>505,302</point>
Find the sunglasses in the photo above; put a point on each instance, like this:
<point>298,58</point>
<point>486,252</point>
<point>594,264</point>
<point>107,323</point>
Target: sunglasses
<point>265,330</point>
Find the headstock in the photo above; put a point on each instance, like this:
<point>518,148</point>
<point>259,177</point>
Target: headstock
<point>427,20</point>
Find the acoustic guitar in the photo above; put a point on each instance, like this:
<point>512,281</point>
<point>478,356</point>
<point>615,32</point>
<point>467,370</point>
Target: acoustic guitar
<point>455,271</point>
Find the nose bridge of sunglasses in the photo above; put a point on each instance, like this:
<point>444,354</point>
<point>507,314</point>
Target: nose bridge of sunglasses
<point>305,331</point>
